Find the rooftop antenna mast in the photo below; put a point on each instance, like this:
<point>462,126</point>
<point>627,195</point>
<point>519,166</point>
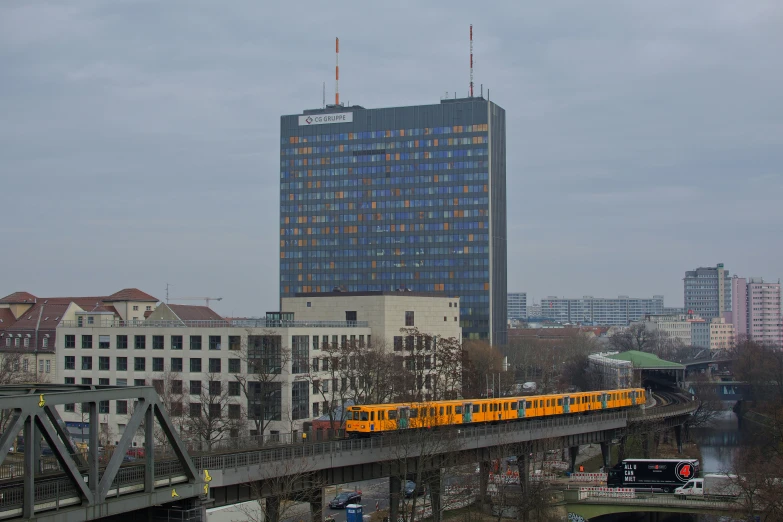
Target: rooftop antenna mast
<point>324,100</point>
<point>337,71</point>
<point>471,60</point>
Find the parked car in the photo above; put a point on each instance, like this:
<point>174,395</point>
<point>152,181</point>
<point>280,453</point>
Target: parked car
<point>345,498</point>
<point>411,490</point>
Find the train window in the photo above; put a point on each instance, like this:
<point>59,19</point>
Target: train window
<point>381,415</point>
<point>514,405</point>
<point>559,402</point>
<point>432,412</point>
<point>372,415</point>
<point>441,410</point>
<point>483,408</point>
<point>572,400</point>
<point>356,415</point>
<point>423,412</point>
<point>458,410</point>
<point>364,416</point>
<point>392,415</point>
<point>414,413</point>
<point>475,408</point>
<point>505,405</point>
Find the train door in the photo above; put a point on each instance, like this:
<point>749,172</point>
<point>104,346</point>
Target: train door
<point>522,407</point>
<point>403,416</point>
<point>467,412</point>
<point>603,401</point>
<point>566,404</point>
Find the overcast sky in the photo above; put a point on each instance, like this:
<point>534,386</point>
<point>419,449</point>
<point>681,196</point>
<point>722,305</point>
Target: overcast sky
<point>139,141</point>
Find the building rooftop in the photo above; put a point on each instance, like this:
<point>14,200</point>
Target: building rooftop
<point>646,361</point>
<point>195,313</point>
<point>379,292</point>
<point>18,298</point>
<point>130,294</point>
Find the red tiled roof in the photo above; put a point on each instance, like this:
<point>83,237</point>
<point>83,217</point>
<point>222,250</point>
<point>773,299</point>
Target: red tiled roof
<point>18,298</point>
<point>50,314</point>
<point>195,313</point>
<point>130,294</point>
<point>6,318</point>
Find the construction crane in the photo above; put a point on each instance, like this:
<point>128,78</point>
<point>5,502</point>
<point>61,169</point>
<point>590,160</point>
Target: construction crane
<point>206,299</point>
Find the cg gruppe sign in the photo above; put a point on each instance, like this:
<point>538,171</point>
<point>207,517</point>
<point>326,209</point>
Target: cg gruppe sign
<point>320,119</point>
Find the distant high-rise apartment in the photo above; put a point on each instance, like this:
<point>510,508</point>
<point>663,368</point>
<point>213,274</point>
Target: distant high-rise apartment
<point>619,311</point>
<point>397,199</point>
<point>708,291</point>
<point>756,310</point>
<point>517,306</point>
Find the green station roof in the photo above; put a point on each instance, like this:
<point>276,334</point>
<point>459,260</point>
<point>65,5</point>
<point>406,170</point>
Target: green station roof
<point>646,361</point>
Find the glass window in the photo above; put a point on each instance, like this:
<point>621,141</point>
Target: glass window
<point>214,342</point>
<point>176,364</point>
<point>234,342</point>
<point>70,341</point>
<point>195,387</point>
<point>139,382</point>
<point>176,342</point>
<point>139,364</point>
<point>139,342</point>
<point>122,342</point>
<point>215,388</point>
<point>214,366</point>
<point>70,362</point>
<point>195,342</point>
<point>122,364</point>
<point>195,364</point>
<point>157,342</point>
<point>409,318</point>
<point>86,341</point>
<point>234,366</point>
<point>121,407</point>
<point>157,364</point>
<point>176,387</point>
<point>86,363</point>
<point>104,363</point>
<point>300,354</point>
<point>233,389</point>
<point>103,342</point>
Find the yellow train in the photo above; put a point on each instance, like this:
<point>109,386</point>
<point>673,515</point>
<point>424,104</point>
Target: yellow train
<point>367,419</point>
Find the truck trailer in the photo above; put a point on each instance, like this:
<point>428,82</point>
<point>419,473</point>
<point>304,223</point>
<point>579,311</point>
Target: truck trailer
<point>712,485</point>
<point>660,474</point>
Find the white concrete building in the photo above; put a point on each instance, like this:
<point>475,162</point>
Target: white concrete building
<point>190,354</point>
<point>674,326</point>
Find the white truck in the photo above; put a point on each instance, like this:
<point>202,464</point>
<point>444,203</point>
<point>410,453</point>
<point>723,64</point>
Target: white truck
<point>714,485</point>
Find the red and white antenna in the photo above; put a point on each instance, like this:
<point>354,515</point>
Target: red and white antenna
<point>471,60</point>
<point>337,71</point>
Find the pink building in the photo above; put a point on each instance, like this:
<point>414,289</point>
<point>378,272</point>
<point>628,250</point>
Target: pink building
<point>755,310</point>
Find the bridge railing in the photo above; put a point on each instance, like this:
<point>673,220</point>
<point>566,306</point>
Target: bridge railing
<point>664,411</point>
<point>297,451</point>
<point>662,499</point>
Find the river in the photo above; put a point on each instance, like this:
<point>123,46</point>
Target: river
<point>719,442</point>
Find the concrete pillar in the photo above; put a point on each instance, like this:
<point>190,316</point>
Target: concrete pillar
<point>395,485</point>
<point>434,484</point>
<point>272,509</point>
<point>573,451</point>
<point>317,505</point>
<point>606,453</point>
<point>621,449</point>
<point>484,468</point>
<point>678,436</point>
<point>523,464</point>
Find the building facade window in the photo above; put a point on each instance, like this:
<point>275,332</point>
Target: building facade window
<point>86,342</point>
<point>195,342</point>
<point>234,389</point>
<point>70,362</point>
<point>264,400</point>
<point>214,366</point>
<point>122,342</point>
<point>234,365</point>
<point>157,364</point>
<point>195,365</point>
<point>139,364</point>
<point>300,354</point>
<point>140,342</point>
<point>157,342</point>
<point>104,364</point>
<point>86,363</point>
<point>104,342</point>
<point>176,364</point>
<point>214,342</point>
<point>300,400</point>
<point>195,387</point>
<point>409,319</point>
<point>264,354</point>
<point>122,364</point>
<point>176,342</point>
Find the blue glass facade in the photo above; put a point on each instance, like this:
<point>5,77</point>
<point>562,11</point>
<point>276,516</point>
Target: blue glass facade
<point>398,198</point>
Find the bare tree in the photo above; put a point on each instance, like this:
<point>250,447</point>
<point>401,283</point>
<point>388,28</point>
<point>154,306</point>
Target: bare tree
<point>278,498</point>
<point>433,365</point>
<point>14,370</point>
<point>266,358</point>
<point>211,414</point>
<point>480,363</point>
<point>636,337</point>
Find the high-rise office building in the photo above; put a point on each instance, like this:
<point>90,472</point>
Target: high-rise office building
<point>517,306</point>
<point>708,291</point>
<point>404,198</point>
<point>616,311</point>
<point>755,310</point>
